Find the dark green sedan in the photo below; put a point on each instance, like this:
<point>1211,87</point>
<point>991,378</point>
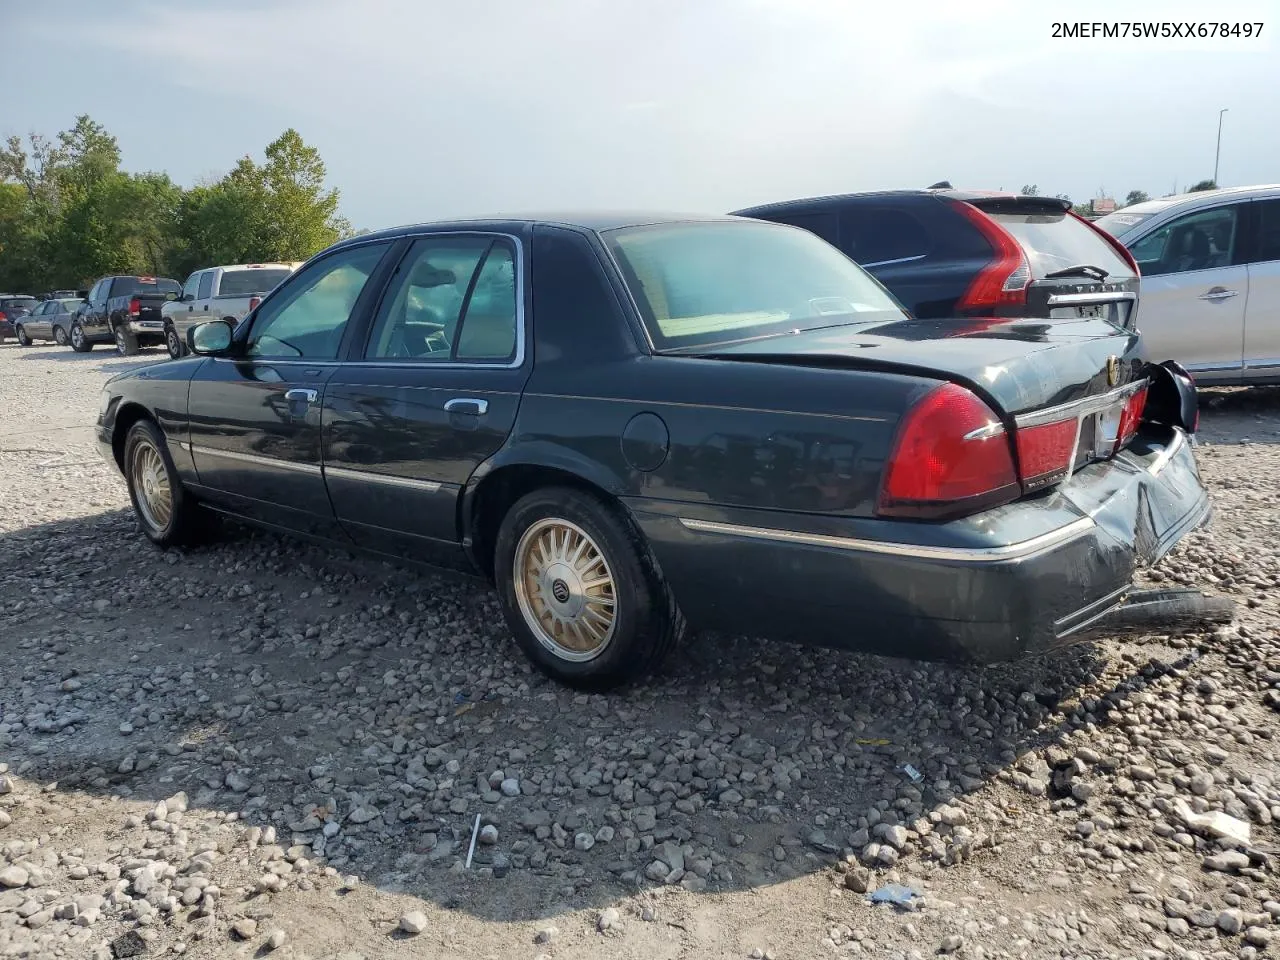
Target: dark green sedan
<point>639,425</point>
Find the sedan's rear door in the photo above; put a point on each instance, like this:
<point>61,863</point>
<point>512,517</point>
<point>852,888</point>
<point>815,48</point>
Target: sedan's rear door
<point>431,393</point>
<point>1195,285</point>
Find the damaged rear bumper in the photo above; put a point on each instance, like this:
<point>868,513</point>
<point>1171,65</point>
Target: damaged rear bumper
<point>1017,580</point>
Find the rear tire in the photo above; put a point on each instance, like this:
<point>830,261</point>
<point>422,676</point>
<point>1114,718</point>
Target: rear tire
<point>126,341</point>
<point>165,511</point>
<point>60,336</point>
<point>79,342</point>
<point>21,334</point>
<point>173,343</point>
<point>581,591</point>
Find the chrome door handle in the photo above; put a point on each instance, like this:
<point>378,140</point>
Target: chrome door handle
<point>301,395</point>
<point>1219,293</point>
<point>467,405</point>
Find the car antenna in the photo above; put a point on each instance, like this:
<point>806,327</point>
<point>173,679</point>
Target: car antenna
<point>941,185</point>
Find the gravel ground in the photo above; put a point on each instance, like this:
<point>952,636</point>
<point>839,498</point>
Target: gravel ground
<point>266,748</point>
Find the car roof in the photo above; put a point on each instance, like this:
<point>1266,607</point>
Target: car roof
<point>594,221</point>
<point>1203,198</point>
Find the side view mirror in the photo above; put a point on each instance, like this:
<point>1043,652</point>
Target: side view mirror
<point>210,339</point>
<point>186,298</point>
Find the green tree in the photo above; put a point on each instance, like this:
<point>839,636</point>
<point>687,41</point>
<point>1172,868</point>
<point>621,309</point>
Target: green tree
<point>1203,185</point>
<point>1030,190</point>
<point>1136,196</point>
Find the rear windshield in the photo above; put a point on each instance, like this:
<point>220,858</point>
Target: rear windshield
<point>142,286</point>
<point>1119,223</point>
<point>1056,241</point>
<point>247,283</point>
<point>19,303</point>
<point>704,283</point>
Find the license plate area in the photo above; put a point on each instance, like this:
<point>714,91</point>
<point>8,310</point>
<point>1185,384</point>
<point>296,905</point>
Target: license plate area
<point>1116,312</point>
<point>1098,434</point>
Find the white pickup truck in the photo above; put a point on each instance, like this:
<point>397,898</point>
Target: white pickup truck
<point>219,293</point>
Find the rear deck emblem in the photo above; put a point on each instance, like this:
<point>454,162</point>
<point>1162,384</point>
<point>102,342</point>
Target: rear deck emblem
<point>1113,371</point>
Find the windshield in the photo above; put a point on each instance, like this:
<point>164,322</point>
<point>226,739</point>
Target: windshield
<point>1057,241</point>
<point>248,283</point>
<point>1119,223</point>
<point>704,283</point>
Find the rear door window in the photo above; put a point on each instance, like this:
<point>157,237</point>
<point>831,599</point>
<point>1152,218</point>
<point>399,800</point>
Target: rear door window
<point>822,223</point>
<point>878,236</point>
<point>1267,248</point>
<point>1056,241</point>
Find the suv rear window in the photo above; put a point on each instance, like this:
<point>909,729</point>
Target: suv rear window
<point>19,303</point>
<point>1055,241</point>
<point>141,286</point>
<point>247,283</point>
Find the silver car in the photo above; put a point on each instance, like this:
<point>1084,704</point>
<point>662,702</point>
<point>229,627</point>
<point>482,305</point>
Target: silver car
<point>1210,266</point>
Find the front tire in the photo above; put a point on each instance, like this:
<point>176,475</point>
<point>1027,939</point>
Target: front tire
<point>126,341</point>
<point>581,591</point>
<point>60,336</point>
<point>79,342</point>
<point>165,511</point>
<point>23,339</point>
<point>173,343</point>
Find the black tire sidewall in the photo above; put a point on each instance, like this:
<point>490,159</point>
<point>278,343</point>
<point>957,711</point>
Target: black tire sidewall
<point>171,338</point>
<point>639,593</point>
<point>85,346</point>
<point>60,337</point>
<point>23,339</point>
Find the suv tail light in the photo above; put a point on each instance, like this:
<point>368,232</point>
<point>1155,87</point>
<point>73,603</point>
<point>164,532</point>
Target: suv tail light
<point>1004,280</point>
<point>135,306</point>
<point>951,457</point>
<point>253,302</point>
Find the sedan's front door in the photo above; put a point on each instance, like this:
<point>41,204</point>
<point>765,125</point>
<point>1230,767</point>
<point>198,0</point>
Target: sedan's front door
<point>1195,285</point>
<point>433,392</point>
<point>255,416</point>
<point>37,324</point>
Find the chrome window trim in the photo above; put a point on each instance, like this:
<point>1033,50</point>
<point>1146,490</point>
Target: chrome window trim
<point>344,473</point>
<point>517,362</point>
<point>312,469</point>
<point>886,263</point>
<point>1074,299</point>
<point>1014,551</point>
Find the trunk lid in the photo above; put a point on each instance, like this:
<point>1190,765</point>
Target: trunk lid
<point>1021,365</point>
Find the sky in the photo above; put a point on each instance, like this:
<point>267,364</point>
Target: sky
<point>426,110</point>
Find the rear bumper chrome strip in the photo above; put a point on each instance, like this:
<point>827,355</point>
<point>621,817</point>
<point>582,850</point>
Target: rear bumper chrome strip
<point>1076,299</point>
<point>1014,551</point>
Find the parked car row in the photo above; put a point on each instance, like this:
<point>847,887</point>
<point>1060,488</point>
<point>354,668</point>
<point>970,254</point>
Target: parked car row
<point>135,312</point>
<point>638,425</point>
<point>1206,265</point>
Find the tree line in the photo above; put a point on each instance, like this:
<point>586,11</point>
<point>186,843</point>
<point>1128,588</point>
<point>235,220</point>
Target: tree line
<point>69,214</point>
<point>1132,197</point>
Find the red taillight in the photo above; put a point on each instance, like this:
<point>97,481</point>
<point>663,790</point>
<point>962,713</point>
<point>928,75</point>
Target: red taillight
<point>254,301</point>
<point>1044,452</point>
<point>1002,282</point>
<point>951,457</point>
<point>1116,245</point>
<point>135,306</point>
<point>1131,418</point>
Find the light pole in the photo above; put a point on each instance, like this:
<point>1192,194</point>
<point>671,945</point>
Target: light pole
<point>1218,150</point>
